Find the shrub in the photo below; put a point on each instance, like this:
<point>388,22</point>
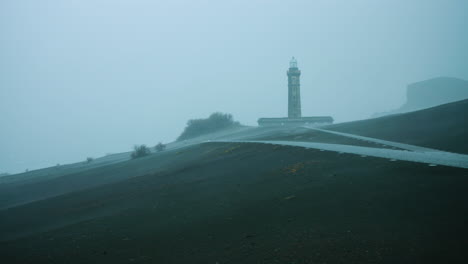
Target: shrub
<point>89,160</point>
<point>140,151</point>
<point>160,147</point>
<point>216,121</point>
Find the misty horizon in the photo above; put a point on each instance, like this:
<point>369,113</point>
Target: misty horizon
<point>82,79</point>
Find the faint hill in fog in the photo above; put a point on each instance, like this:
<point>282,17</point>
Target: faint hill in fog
<point>430,93</point>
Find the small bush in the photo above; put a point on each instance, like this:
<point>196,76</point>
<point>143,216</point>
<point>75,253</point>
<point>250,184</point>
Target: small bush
<point>216,121</point>
<point>140,151</point>
<point>89,160</point>
<point>160,147</point>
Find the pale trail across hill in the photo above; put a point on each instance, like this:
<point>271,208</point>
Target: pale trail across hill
<point>409,153</point>
<point>433,158</point>
<point>378,141</point>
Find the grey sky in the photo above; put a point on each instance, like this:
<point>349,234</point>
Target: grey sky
<point>83,78</point>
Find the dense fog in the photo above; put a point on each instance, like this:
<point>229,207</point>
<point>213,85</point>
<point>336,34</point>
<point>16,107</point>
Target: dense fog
<point>84,78</point>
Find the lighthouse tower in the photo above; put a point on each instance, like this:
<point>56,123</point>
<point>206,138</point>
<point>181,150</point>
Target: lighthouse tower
<point>294,90</point>
<point>295,117</point>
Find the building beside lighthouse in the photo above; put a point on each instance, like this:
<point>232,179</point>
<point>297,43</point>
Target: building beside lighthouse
<point>294,104</point>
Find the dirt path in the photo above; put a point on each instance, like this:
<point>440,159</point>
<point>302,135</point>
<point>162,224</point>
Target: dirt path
<point>432,158</point>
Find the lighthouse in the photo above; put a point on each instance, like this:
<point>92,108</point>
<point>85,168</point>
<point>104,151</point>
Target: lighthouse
<point>295,117</point>
<point>294,90</point>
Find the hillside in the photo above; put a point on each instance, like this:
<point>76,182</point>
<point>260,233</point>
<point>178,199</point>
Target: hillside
<point>443,127</point>
<point>49,182</point>
<point>202,201</point>
<point>248,203</point>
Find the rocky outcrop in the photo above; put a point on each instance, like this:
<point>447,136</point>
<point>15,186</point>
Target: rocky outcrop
<point>430,93</point>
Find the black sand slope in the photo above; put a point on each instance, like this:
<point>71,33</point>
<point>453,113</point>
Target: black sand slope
<point>249,203</point>
<point>48,182</point>
<point>444,127</point>
<point>13,193</point>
